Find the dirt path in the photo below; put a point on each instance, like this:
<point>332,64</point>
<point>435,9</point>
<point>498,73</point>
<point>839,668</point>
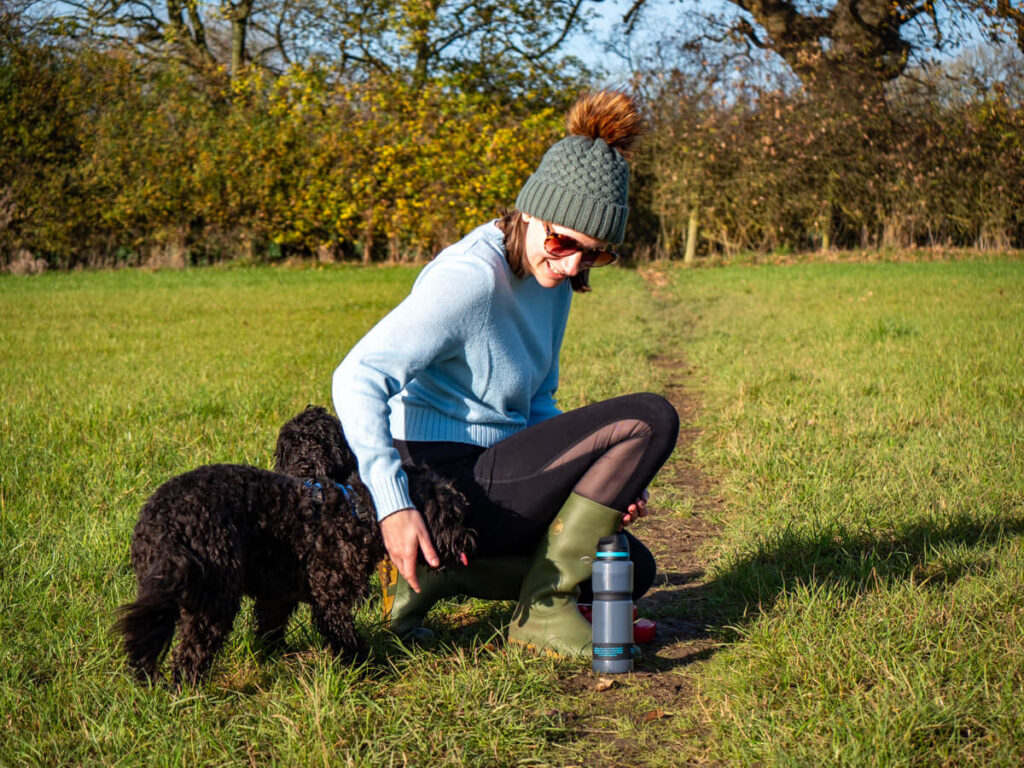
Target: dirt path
<point>663,675</point>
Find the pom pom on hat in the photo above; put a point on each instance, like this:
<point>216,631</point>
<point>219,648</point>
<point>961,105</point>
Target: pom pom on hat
<point>611,116</point>
<point>582,181</point>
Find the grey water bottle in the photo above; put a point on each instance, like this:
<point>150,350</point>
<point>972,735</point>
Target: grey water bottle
<point>613,606</point>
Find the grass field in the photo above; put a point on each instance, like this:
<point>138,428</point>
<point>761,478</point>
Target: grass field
<point>865,423</point>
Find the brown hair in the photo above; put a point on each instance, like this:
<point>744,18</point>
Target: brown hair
<point>511,222</point>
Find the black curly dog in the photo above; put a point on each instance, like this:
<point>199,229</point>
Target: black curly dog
<point>307,532</point>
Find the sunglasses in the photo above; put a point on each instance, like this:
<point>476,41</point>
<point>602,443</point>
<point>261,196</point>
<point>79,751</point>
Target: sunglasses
<point>561,246</point>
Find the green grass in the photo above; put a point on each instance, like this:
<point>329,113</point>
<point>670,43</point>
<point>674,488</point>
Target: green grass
<point>112,382</point>
<point>865,423</point>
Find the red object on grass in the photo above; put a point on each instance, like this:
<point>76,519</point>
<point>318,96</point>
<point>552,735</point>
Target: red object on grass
<point>643,631</point>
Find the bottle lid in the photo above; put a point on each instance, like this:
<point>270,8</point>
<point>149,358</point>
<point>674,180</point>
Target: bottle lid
<point>616,545</point>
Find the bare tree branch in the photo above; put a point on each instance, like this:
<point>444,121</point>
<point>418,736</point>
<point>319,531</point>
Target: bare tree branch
<point>570,20</point>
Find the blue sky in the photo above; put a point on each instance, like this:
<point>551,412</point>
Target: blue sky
<point>590,47</point>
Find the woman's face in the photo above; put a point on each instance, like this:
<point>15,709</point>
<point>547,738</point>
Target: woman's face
<point>549,270</point>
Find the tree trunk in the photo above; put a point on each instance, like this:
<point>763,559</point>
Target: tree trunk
<point>190,35</point>
<point>368,244</point>
<point>421,22</point>
<point>864,49</point>
<point>691,238</point>
<point>239,27</point>
<point>825,226</point>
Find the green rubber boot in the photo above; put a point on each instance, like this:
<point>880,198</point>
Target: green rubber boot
<point>496,578</point>
<point>546,618</point>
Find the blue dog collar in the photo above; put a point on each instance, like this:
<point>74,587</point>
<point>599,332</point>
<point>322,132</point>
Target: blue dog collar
<point>345,489</point>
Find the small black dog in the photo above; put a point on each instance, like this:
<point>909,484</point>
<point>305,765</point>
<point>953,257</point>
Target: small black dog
<point>313,444</point>
<point>207,537</point>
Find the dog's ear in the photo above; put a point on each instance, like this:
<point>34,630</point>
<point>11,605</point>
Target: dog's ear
<point>342,457</point>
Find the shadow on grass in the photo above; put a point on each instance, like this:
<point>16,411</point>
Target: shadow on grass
<point>695,617</point>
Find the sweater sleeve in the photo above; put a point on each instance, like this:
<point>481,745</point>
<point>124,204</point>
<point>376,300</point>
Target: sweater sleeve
<point>430,324</point>
<point>543,405</point>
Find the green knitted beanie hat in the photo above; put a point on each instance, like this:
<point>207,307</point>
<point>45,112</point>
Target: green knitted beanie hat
<point>582,182</point>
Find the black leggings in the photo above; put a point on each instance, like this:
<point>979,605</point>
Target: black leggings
<point>607,452</point>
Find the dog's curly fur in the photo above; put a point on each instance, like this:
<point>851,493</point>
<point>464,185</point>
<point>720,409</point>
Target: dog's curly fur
<point>207,537</point>
<point>313,444</point>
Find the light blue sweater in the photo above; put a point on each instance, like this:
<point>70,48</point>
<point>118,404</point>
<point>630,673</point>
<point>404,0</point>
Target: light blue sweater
<point>470,356</point>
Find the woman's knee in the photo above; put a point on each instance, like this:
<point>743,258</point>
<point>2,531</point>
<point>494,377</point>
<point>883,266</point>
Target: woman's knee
<point>659,415</point>
<point>658,411</point>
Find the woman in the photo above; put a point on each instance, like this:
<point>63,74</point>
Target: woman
<point>462,376</point>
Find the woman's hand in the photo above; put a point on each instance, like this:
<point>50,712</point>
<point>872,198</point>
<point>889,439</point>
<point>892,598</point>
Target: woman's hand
<point>405,536</point>
<point>636,510</point>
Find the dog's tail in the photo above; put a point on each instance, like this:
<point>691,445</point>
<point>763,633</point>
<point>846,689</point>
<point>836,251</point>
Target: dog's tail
<point>147,627</point>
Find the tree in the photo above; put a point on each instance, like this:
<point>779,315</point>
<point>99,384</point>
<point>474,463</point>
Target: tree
<point>851,48</point>
<point>38,141</point>
<point>485,45</point>
<point>481,42</point>
<point>226,35</point>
